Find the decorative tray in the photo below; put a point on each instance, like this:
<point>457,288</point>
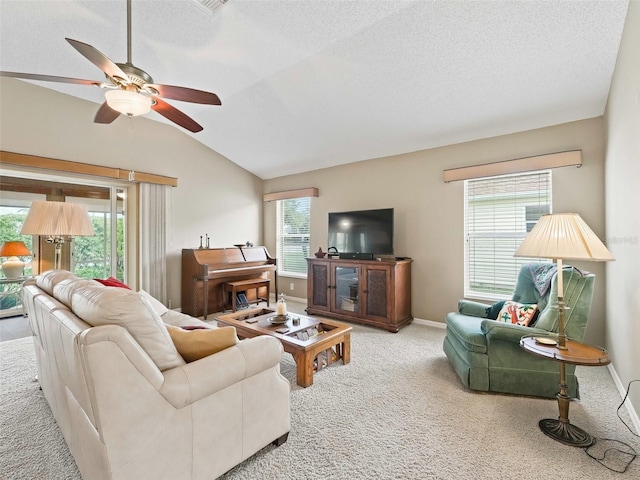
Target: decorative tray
<point>279,319</point>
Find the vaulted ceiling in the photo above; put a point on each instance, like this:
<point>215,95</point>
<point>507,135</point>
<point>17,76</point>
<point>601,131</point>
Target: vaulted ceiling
<point>307,84</point>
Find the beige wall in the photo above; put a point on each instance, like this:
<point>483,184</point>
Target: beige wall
<point>429,213</point>
<point>213,195</point>
<point>623,208</point>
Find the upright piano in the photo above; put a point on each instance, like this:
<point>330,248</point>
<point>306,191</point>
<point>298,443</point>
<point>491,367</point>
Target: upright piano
<point>206,270</point>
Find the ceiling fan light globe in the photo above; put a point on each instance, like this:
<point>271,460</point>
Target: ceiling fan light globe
<point>128,103</point>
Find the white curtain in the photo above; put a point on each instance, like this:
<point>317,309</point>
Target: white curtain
<point>153,239</point>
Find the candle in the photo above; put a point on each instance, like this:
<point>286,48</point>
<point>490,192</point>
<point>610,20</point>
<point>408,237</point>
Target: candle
<point>281,307</point>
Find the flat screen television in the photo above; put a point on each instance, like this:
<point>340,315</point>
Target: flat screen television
<point>363,231</point>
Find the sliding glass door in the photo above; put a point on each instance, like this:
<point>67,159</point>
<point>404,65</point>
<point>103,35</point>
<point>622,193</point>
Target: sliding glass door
<point>99,256</point>
<point>102,255</point>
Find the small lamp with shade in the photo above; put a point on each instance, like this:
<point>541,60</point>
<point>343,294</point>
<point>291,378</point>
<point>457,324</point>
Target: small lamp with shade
<point>13,267</point>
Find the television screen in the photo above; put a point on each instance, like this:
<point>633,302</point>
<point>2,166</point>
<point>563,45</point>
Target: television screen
<point>364,231</point>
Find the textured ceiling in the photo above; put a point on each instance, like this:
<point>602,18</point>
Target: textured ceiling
<point>308,84</point>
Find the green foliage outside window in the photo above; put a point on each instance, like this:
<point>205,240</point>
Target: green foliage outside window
<point>10,226</point>
<point>91,254</point>
<point>292,236</point>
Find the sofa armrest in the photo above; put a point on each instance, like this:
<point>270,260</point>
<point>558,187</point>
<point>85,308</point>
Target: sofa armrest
<point>508,331</point>
<point>193,381</point>
<point>127,345</point>
<point>473,309</point>
<point>189,383</point>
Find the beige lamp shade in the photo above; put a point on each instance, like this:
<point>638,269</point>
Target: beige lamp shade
<point>57,219</point>
<point>563,236</point>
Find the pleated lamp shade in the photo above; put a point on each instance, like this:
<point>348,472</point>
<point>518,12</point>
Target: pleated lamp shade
<point>563,236</point>
<point>57,219</point>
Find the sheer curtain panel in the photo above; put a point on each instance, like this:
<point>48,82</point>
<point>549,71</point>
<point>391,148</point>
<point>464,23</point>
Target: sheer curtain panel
<point>153,239</point>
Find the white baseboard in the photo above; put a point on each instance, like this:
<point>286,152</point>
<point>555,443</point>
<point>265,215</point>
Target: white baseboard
<point>429,323</point>
<point>287,298</point>
<point>622,389</point>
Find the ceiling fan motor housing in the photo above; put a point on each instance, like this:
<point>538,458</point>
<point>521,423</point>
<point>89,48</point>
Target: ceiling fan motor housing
<point>136,75</point>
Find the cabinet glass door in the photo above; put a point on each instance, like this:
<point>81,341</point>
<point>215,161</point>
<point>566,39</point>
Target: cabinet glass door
<point>346,280</point>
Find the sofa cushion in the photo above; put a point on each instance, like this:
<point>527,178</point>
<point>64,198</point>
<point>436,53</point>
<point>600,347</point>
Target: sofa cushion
<point>517,313</point>
<point>63,291</point>
<point>97,305</point>
<point>179,319</point>
<point>194,344</point>
<point>156,304</point>
<point>47,280</point>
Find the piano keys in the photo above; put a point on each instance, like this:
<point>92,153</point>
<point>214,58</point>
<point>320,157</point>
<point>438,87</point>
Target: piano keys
<point>206,270</point>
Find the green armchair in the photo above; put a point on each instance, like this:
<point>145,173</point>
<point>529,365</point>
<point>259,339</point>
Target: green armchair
<point>486,353</point>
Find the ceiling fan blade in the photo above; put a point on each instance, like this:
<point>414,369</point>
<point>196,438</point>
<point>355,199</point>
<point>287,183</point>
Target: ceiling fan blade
<point>186,94</point>
<point>49,78</point>
<point>105,114</point>
<point>176,116</point>
<point>98,59</point>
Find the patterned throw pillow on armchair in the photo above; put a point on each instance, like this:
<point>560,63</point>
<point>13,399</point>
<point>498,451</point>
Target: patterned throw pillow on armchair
<point>518,313</point>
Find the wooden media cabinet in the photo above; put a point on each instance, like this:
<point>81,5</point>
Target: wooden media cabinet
<point>371,292</point>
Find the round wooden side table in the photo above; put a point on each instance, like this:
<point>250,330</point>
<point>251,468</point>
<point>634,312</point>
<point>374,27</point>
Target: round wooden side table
<point>575,353</point>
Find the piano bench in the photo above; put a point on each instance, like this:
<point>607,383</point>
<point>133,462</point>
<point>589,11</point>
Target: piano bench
<point>242,286</point>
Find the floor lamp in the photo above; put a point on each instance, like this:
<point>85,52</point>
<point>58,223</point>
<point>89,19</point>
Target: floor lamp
<point>563,236</point>
<point>57,221</point>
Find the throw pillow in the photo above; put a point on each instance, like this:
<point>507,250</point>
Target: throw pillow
<point>494,310</point>
<point>112,282</point>
<point>193,345</point>
<point>517,313</point>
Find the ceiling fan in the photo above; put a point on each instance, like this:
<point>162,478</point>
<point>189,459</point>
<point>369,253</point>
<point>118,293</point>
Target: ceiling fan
<point>131,90</point>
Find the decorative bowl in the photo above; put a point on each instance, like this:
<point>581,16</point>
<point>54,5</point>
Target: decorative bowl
<point>279,319</point>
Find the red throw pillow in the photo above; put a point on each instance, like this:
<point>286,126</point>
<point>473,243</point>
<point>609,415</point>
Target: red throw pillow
<point>112,282</point>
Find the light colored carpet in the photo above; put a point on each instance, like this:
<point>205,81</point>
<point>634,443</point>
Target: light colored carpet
<point>397,411</point>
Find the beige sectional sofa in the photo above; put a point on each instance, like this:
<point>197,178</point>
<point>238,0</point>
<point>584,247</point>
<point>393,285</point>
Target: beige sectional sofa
<point>128,405</point>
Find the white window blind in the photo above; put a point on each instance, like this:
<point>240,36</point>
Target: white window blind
<point>499,212</point>
<point>292,236</point>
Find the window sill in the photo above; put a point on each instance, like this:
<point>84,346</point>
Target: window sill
<point>485,297</point>
<point>292,275</point>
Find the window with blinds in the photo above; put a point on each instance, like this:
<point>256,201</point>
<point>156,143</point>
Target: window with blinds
<point>292,236</point>
<point>499,212</point>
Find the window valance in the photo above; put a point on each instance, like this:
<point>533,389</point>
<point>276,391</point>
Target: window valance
<point>520,165</point>
<point>67,166</point>
<point>288,194</point>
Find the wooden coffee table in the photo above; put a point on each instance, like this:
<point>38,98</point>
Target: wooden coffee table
<point>313,343</point>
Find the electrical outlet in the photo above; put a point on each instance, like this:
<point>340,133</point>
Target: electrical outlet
<point>291,286</point>
<point>169,304</point>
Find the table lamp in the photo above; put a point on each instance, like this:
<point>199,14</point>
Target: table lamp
<point>563,236</point>
<point>13,267</point>
<point>57,220</point>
